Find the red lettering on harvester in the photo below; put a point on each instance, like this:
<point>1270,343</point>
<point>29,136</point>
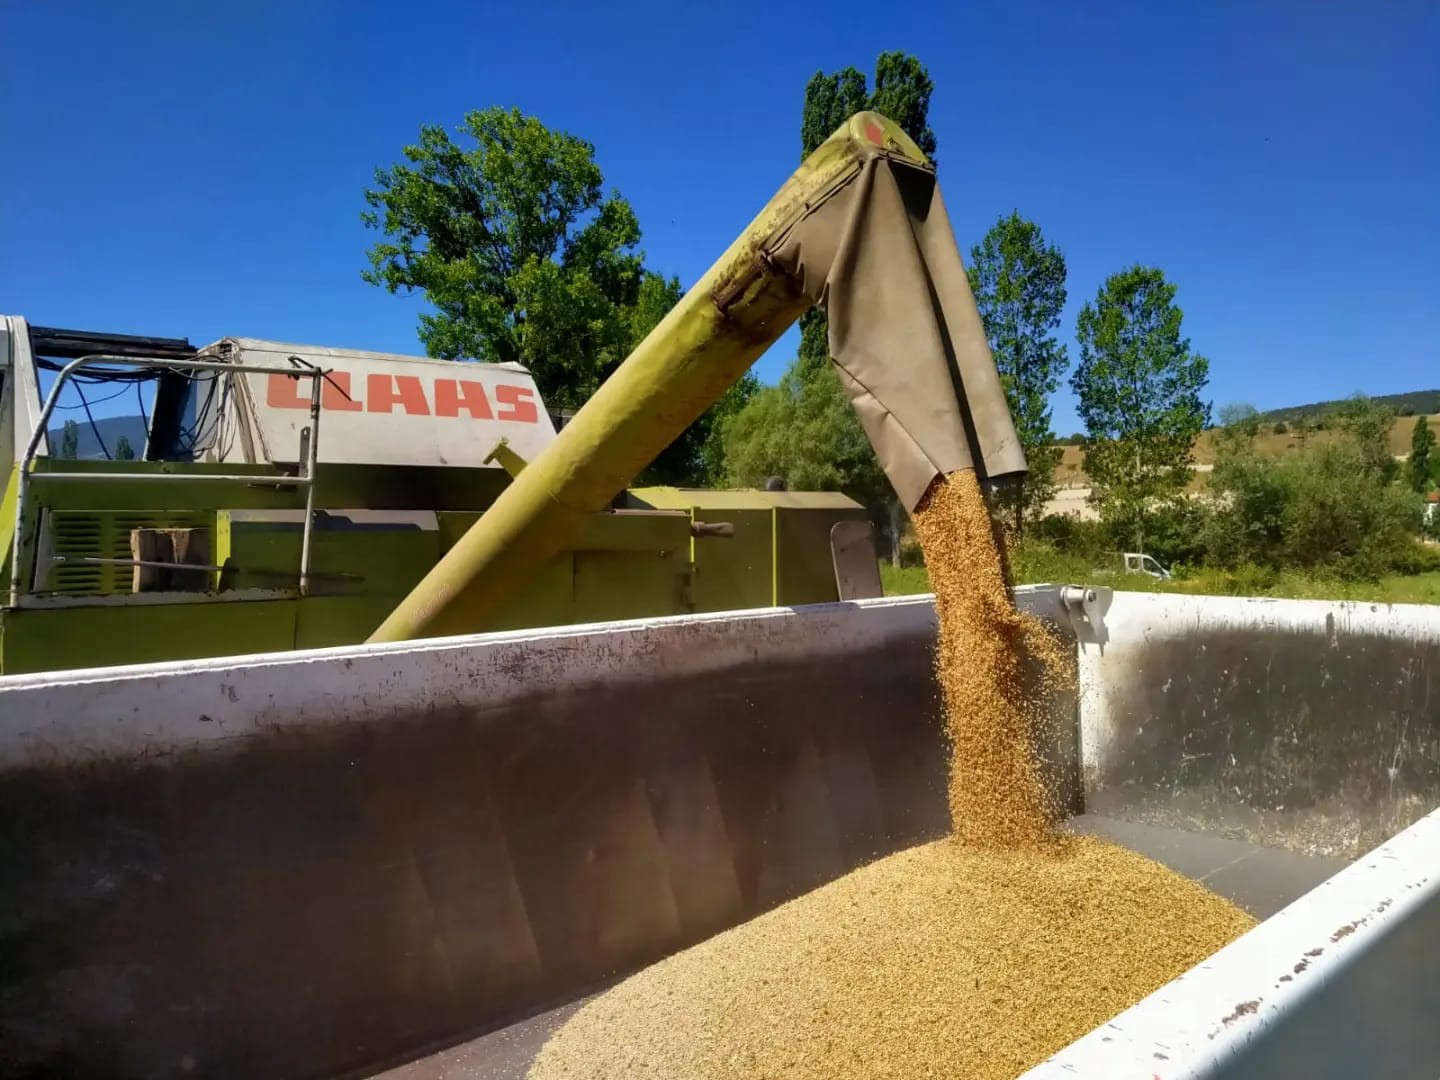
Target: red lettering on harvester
<point>293,392</point>
<point>283,392</point>
<point>519,402</point>
<point>452,395</point>
<point>335,395</point>
<point>384,392</point>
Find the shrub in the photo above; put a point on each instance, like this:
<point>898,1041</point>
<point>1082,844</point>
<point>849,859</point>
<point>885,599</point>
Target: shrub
<point>1331,509</point>
<point>1033,560</point>
<point>1250,496</point>
<point>1069,535</point>
<point>1345,518</point>
<point>1418,558</point>
<point>1175,532</point>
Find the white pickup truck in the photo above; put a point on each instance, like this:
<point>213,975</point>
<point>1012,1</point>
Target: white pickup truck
<point>1138,563</point>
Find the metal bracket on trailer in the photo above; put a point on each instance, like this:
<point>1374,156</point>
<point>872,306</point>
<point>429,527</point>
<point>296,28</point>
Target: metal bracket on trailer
<point>1085,606</point>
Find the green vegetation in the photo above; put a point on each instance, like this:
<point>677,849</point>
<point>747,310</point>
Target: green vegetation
<point>805,431</point>
<point>70,441</point>
<point>903,580</point>
<point>1333,509</point>
<point>1019,284</point>
<point>524,256</point>
<point>1420,469</point>
<point>1139,387</point>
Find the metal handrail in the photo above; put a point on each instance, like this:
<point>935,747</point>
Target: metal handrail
<point>309,448</point>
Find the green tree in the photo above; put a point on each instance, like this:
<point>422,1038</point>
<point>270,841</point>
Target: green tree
<point>517,246</point>
<point>830,100</point>
<point>1019,284</point>
<point>509,233</point>
<point>70,441</point>
<point>1367,424</point>
<point>803,432</point>
<point>123,450</point>
<point>1139,387</point>
<point>1239,426</point>
<point>1422,446</point>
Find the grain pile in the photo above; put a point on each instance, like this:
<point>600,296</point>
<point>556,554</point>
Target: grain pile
<point>976,956</point>
<point>939,961</point>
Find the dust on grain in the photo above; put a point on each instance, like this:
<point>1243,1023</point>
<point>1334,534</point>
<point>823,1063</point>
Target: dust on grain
<point>976,956</point>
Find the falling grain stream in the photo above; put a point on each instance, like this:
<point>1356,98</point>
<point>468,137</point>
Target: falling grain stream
<point>978,955</point>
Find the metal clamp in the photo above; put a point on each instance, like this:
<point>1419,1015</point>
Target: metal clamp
<point>1086,608</point>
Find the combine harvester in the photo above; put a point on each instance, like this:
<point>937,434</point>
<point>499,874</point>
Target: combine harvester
<point>330,862</point>
<point>248,525</point>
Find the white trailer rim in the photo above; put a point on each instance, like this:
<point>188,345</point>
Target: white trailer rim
<point>1203,1022</point>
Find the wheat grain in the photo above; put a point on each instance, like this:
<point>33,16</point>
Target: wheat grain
<point>975,956</point>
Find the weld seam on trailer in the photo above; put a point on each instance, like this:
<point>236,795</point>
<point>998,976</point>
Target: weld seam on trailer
<point>1202,1023</point>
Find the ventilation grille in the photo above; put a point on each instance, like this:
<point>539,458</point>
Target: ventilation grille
<point>79,534</point>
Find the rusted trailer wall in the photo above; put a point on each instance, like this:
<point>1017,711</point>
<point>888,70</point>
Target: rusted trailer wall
<point>1308,724</point>
<point>298,865</point>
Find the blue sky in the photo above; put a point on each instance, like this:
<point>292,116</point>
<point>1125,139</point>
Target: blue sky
<point>196,169</point>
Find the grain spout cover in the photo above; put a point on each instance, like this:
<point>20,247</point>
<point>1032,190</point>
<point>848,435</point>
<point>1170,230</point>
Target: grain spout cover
<point>877,252</point>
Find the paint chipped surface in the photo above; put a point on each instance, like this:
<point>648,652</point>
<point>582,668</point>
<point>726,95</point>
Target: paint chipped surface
<point>1245,1008</point>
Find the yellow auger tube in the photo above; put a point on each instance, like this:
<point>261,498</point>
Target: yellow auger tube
<point>721,326</point>
<point>860,228</point>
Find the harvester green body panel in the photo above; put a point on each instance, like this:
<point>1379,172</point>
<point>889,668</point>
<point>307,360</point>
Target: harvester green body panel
<point>779,553</point>
<point>102,634</point>
<point>640,560</point>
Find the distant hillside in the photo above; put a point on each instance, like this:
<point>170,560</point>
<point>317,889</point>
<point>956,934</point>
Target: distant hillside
<point>1070,472</point>
<point>1414,403</point>
<point>110,429</point>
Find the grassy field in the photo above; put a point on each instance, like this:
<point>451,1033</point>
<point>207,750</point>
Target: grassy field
<point>1033,568</point>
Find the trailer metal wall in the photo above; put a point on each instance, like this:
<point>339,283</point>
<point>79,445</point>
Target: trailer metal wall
<point>310,863</point>
<point>298,865</point>
<point>1342,984</point>
<point>1308,724</point>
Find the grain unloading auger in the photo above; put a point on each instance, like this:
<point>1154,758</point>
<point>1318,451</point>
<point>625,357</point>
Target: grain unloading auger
<point>860,229</point>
